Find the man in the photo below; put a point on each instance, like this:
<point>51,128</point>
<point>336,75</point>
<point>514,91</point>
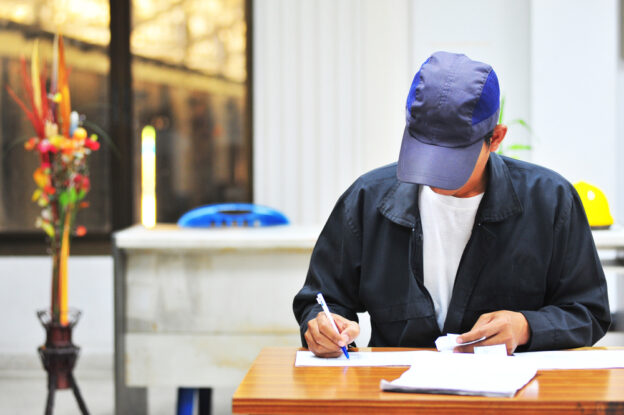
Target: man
<point>456,238</point>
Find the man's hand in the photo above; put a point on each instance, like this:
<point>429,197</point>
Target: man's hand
<point>323,340</point>
<point>500,327</point>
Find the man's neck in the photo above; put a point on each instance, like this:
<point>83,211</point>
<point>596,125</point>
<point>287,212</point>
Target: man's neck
<point>466,191</point>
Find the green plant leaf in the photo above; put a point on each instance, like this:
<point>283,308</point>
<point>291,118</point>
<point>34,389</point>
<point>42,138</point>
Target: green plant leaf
<point>73,195</point>
<point>519,147</point>
<point>64,199</point>
<point>521,122</point>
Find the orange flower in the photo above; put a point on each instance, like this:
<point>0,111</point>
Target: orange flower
<point>68,147</point>
<point>31,144</point>
<point>40,178</point>
<point>80,133</point>
<point>81,231</point>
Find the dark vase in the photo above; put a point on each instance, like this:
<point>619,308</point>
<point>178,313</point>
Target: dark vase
<point>59,356</point>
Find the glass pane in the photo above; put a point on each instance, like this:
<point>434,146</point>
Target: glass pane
<point>86,40</point>
<point>189,78</point>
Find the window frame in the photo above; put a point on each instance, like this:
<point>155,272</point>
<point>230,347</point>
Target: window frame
<point>122,175</point>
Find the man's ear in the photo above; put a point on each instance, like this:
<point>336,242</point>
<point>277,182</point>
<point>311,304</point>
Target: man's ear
<point>498,136</point>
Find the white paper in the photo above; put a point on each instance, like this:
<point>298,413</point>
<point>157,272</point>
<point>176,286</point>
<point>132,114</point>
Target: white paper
<point>463,374</point>
<point>583,359</point>
<point>574,359</point>
<point>493,350</point>
<point>449,342</point>
<point>305,358</point>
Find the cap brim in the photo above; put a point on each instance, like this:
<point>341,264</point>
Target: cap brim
<point>436,166</point>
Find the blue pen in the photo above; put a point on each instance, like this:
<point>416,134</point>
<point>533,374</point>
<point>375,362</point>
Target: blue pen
<point>321,301</point>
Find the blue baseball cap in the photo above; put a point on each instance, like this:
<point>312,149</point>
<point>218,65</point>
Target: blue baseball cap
<point>452,105</point>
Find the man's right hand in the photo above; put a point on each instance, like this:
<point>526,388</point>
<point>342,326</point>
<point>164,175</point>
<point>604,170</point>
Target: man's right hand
<point>323,340</point>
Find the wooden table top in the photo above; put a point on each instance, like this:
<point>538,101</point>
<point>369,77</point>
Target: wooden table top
<point>274,385</point>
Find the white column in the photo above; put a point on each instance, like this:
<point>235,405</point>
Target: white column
<point>573,82</point>
<point>329,85</point>
<point>619,150</point>
<point>492,31</point>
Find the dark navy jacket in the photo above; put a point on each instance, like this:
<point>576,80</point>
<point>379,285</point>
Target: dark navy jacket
<point>531,250</point>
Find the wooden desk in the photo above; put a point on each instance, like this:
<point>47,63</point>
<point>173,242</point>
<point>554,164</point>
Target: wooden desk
<point>274,385</point>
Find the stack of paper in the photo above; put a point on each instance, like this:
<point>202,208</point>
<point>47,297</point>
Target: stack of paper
<point>463,374</point>
<point>492,373</point>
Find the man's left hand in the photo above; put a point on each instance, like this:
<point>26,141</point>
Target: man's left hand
<point>500,327</point>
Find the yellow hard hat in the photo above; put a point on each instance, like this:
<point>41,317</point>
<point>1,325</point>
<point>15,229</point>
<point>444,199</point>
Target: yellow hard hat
<point>595,204</point>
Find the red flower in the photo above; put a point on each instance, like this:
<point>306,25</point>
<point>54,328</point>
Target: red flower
<point>81,231</point>
<point>82,182</point>
<point>92,145</point>
<point>41,178</point>
<point>45,146</point>
<point>49,190</point>
<point>86,183</point>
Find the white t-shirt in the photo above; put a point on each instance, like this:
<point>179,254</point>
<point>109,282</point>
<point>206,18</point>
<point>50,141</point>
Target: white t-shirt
<point>447,223</point>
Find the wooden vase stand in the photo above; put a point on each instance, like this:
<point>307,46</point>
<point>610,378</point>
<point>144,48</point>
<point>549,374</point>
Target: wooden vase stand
<point>59,356</point>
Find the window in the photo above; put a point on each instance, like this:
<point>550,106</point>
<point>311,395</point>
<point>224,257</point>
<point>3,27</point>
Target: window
<point>185,64</point>
<point>189,82</point>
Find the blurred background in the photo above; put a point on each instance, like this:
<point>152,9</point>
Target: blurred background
<point>282,103</point>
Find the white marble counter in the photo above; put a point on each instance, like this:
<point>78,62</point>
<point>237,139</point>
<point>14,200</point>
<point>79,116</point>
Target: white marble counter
<point>194,306</point>
<point>612,238</point>
<point>169,236</point>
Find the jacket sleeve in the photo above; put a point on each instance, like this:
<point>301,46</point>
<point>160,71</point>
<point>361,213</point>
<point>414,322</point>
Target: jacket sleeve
<point>576,311</point>
<point>334,268</point>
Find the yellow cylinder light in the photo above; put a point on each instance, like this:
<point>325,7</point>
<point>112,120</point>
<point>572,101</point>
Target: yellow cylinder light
<point>148,176</point>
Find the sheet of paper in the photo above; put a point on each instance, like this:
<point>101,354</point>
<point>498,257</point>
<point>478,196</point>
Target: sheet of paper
<point>583,359</point>
<point>305,358</point>
<point>463,374</point>
<point>493,350</point>
<point>449,342</point>
<point>574,359</point>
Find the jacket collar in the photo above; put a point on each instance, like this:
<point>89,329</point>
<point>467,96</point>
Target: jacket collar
<point>400,204</point>
<point>500,201</point>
